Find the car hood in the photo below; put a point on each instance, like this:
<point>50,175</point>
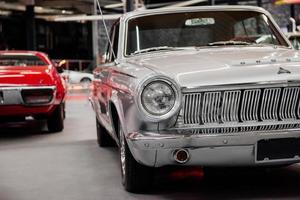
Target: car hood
<point>221,66</point>
<point>25,76</point>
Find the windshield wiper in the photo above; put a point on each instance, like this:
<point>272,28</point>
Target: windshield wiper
<point>161,48</point>
<point>229,42</point>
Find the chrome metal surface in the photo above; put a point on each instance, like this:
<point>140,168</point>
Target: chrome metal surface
<point>205,150</point>
<point>122,152</point>
<point>288,103</point>
<point>231,108</point>
<point>13,96</point>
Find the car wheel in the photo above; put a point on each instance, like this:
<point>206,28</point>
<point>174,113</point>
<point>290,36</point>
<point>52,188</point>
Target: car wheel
<point>85,80</point>
<point>136,178</point>
<point>64,110</point>
<point>103,137</point>
<point>56,121</point>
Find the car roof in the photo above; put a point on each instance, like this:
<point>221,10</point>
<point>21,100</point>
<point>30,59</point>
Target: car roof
<point>193,9</point>
<point>39,54</point>
<point>20,52</point>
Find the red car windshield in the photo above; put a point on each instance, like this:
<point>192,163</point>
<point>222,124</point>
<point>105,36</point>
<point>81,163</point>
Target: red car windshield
<point>21,60</point>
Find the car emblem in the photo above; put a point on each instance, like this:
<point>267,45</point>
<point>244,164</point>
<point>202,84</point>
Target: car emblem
<point>283,71</point>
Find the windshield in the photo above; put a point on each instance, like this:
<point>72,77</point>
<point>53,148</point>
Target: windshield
<point>198,29</point>
<point>295,40</point>
<point>21,60</point>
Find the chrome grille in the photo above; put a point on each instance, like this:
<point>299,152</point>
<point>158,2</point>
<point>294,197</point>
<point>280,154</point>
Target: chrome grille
<point>288,104</point>
<point>250,105</point>
<point>241,106</point>
<point>230,130</point>
<point>211,111</point>
<point>269,104</point>
<point>192,108</point>
<point>229,108</point>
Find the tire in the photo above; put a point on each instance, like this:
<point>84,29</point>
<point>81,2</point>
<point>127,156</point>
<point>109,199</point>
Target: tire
<point>55,122</point>
<point>64,110</point>
<point>136,178</point>
<point>85,80</point>
<point>103,137</point>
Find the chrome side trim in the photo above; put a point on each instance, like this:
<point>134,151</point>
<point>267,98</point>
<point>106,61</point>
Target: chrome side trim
<point>241,86</point>
<point>27,87</point>
<point>246,125</point>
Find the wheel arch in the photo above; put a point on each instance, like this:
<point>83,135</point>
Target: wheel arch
<point>85,78</point>
<point>116,115</point>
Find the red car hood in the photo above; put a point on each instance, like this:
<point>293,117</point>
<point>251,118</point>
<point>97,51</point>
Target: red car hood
<point>25,76</point>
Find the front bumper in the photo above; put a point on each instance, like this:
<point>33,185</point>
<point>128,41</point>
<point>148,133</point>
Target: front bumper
<point>236,149</point>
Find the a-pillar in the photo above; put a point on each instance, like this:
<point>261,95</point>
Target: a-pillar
<point>95,36</point>
<point>30,27</point>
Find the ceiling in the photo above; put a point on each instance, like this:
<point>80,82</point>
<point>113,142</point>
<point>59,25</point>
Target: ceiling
<point>49,9</point>
<point>54,7</point>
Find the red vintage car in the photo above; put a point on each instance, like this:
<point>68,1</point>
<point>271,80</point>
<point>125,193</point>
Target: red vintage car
<point>30,86</point>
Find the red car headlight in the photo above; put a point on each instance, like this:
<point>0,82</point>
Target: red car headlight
<point>37,96</point>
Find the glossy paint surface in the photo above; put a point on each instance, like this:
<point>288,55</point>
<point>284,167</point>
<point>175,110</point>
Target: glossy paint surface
<point>31,76</point>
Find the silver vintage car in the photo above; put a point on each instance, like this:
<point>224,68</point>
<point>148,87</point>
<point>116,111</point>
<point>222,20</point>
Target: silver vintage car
<point>207,86</point>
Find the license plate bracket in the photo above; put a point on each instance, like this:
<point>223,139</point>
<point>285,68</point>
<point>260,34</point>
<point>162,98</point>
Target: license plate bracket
<point>278,149</point>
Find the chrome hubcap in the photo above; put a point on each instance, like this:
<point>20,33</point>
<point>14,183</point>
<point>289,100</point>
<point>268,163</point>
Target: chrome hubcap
<point>122,153</point>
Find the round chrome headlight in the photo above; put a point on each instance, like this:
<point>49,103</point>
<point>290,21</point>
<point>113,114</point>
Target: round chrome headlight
<point>159,98</point>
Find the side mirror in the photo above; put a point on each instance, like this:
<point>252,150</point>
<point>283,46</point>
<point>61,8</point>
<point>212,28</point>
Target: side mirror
<point>59,66</point>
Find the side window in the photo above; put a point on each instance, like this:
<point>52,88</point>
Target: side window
<point>114,38</point>
<point>108,47</point>
<point>252,26</point>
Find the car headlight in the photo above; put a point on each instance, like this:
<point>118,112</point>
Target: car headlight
<point>159,98</point>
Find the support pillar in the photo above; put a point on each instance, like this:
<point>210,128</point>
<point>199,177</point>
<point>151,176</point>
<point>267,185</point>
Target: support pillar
<point>211,2</point>
<point>232,2</point>
<point>30,27</point>
<point>259,3</point>
<point>293,14</point>
<point>95,37</point>
<point>129,5</point>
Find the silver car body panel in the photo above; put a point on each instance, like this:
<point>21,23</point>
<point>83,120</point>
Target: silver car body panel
<point>153,142</point>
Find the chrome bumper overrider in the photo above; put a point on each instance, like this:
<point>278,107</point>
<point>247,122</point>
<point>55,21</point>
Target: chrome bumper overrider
<point>238,149</point>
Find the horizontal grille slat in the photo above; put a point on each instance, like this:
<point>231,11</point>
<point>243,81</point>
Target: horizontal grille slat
<point>242,106</point>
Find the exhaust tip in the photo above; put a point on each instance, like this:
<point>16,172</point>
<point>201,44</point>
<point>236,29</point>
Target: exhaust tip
<point>181,156</point>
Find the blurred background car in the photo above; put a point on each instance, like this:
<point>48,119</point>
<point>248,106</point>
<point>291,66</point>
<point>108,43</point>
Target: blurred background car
<point>30,86</point>
<point>75,77</point>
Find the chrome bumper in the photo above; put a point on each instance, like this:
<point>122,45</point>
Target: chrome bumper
<point>13,96</point>
<point>237,149</point>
